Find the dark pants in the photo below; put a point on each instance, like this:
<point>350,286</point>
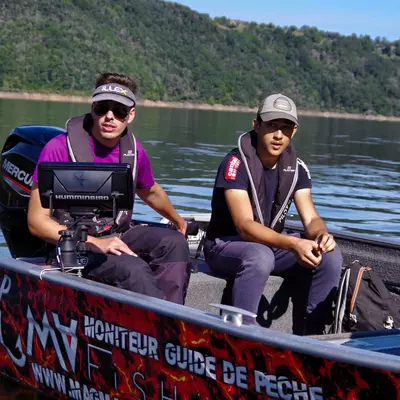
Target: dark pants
<point>250,264</point>
<point>162,268</point>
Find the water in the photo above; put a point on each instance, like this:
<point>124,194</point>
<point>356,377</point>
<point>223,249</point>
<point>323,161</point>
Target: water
<point>355,165</point>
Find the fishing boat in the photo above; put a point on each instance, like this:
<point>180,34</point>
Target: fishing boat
<point>74,338</point>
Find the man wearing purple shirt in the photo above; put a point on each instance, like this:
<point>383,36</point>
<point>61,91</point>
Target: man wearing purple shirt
<point>57,151</point>
<point>147,260</point>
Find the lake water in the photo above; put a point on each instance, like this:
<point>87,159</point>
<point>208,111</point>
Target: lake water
<point>355,165</point>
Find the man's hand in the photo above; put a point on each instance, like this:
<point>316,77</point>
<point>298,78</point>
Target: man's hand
<point>307,252</point>
<point>314,226</point>
<point>326,242</point>
<point>158,200</point>
<point>181,226</point>
<point>110,245</point>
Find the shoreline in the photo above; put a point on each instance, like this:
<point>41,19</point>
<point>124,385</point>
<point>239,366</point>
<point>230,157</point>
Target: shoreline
<point>188,105</point>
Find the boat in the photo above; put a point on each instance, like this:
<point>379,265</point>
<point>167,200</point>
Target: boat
<point>70,337</point>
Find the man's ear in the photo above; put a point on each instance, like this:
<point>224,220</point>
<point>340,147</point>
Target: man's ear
<point>132,114</point>
<point>256,124</point>
<point>92,110</point>
<point>294,131</point>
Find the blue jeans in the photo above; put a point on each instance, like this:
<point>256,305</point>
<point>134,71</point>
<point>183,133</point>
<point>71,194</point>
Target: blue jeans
<point>250,264</point>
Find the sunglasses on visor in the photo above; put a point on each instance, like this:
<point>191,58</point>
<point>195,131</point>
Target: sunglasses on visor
<point>119,110</point>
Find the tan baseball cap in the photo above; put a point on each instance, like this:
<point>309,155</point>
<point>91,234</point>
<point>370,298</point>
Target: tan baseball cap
<point>277,106</point>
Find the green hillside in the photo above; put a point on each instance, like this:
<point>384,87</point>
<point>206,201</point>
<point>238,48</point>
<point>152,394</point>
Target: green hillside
<point>178,54</point>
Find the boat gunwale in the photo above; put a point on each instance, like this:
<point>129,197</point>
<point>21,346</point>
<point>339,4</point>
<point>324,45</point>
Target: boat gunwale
<point>353,237</point>
<point>204,218</point>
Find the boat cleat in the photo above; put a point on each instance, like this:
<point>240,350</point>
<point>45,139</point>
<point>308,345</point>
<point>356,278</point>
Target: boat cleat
<point>233,315</point>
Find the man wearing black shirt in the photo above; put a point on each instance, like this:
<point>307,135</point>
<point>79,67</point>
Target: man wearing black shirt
<point>246,242</point>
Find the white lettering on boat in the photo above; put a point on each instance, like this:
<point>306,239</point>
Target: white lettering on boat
<point>43,330</point>
<point>136,383</point>
<point>163,395</point>
<point>62,384</point>
<point>47,377</point>
<point>86,392</point>
<point>68,335</point>
<point>190,360</point>
<point>234,374</point>
<point>118,336</point>
<point>17,173</point>
<point>5,287</point>
<point>67,386</point>
<point>280,387</point>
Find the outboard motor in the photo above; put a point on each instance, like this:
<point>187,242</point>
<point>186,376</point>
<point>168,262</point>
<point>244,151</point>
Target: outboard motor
<point>18,161</point>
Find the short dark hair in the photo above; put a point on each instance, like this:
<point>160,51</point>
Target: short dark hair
<point>113,77</point>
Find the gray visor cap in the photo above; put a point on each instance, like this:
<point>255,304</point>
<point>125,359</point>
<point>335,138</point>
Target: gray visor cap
<point>115,92</point>
<point>278,106</point>
<point>269,116</point>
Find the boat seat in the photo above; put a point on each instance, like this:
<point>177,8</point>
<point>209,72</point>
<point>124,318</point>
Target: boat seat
<point>275,309</point>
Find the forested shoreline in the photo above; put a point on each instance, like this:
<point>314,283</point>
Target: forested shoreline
<point>29,96</point>
<point>179,55</point>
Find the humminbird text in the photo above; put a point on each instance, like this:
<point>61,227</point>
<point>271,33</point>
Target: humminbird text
<point>80,197</point>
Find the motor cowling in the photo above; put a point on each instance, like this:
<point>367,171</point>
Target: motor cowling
<point>19,156</point>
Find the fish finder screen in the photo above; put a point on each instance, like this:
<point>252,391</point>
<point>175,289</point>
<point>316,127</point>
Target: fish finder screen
<point>100,187</point>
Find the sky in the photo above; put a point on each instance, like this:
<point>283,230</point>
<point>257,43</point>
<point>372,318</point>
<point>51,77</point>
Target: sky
<point>362,17</point>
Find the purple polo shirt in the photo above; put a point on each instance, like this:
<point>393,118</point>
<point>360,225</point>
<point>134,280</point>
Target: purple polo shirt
<point>56,150</point>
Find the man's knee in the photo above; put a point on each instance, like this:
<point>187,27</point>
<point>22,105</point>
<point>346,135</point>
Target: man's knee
<point>260,261</point>
<point>126,264</point>
<point>134,274</point>
<point>173,247</point>
<point>242,259</point>
<point>173,280</point>
<point>331,265</point>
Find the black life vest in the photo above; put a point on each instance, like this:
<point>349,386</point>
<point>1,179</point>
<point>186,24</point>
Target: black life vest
<point>79,149</point>
<point>221,225</point>
<point>287,180</point>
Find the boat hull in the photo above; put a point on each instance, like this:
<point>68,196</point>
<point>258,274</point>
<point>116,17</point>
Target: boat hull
<point>74,338</point>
